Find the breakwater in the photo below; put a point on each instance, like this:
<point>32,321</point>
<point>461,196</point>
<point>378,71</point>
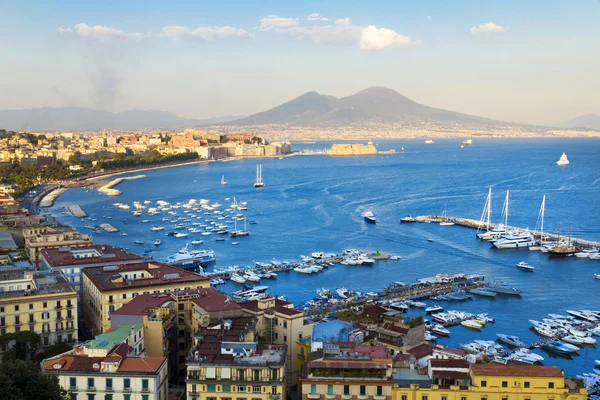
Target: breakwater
<point>77,211</point>
<point>50,198</point>
<point>108,188</point>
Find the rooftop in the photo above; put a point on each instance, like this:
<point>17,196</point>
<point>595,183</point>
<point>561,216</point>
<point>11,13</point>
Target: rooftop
<point>73,362</point>
<point>143,274</point>
<point>516,370</point>
<point>33,284</point>
<point>110,339</point>
<point>280,306</point>
<point>90,255</point>
<point>448,363</point>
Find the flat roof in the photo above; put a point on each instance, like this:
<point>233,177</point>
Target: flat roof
<point>7,241</point>
<point>110,278</point>
<point>66,256</point>
<point>46,283</point>
<point>516,370</point>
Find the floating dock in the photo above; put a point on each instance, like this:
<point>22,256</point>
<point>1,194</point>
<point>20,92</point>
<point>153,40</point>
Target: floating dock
<point>108,228</point>
<point>481,225</point>
<point>108,188</point>
<point>77,211</point>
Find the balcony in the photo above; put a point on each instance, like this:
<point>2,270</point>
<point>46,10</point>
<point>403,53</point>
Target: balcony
<point>379,397</point>
<point>127,389</point>
<point>145,390</point>
<point>362,397</point>
<point>346,397</point>
<point>313,396</point>
<point>32,322</point>
<point>73,388</point>
<point>109,389</point>
<point>58,307</point>
<point>330,396</point>
<point>91,388</point>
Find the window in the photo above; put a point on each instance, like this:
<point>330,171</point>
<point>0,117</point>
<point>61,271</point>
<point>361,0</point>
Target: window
<point>73,383</point>
<point>257,375</point>
<point>127,383</point>
<point>484,398</point>
<point>91,396</point>
<point>241,388</point>
<point>45,305</point>
<point>2,308</point>
<point>329,389</point>
<point>444,397</point>
<point>363,390</point>
<point>380,392</point>
<point>30,306</point>
<point>124,295</point>
<point>274,374</point>
<point>180,307</point>
<point>504,384</point>
<point>255,389</point>
<point>145,397</point>
<point>90,382</point>
<point>273,389</point>
<point>526,385</point>
<point>423,397</point>
<point>240,374</point>
<point>226,388</point>
<point>194,388</point>
<point>144,385</point>
<point>108,396</point>
<point>284,337</point>
<point>17,307</point>
<point>72,396</point>
<point>285,324</point>
<point>126,396</point>
<point>109,385</point>
<point>347,390</point>
<point>211,388</point>
<point>313,389</point>
<point>550,385</point>
<point>483,383</point>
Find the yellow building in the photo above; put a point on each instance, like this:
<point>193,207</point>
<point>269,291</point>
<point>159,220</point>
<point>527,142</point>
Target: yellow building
<point>41,302</point>
<point>106,289</point>
<point>227,362</point>
<point>40,237</point>
<point>107,373</point>
<point>495,382</point>
<point>278,322</point>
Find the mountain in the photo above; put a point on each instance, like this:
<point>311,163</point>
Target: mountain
<point>590,121</point>
<point>371,105</point>
<point>82,119</point>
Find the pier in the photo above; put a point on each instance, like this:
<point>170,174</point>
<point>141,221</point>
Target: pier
<point>108,228</point>
<point>108,188</point>
<point>481,225</point>
<point>48,200</point>
<point>77,211</point>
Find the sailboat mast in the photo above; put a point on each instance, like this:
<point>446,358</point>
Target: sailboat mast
<point>506,212</point>
<point>489,208</point>
<point>542,225</point>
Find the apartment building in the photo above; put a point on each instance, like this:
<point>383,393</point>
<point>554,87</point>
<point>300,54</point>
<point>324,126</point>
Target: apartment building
<point>40,302</point>
<point>278,322</point>
<point>38,238</point>
<point>227,362</point>
<point>106,289</point>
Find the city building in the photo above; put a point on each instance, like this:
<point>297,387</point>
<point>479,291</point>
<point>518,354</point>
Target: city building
<point>106,289</point>
<point>452,380</point>
<point>227,362</point>
<point>346,371</point>
<point>109,373</point>
<point>72,261</point>
<point>278,322</point>
<point>38,238</point>
<point>131,335</point>
<point>40,302</point>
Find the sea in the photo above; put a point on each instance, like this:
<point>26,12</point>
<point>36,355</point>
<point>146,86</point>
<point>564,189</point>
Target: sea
<point>315,203</point>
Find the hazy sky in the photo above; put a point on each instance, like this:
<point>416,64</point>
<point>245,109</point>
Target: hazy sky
<point>524,60</point>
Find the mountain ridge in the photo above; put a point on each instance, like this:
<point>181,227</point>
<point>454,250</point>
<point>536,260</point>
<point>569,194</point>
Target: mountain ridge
<point>589,121</point>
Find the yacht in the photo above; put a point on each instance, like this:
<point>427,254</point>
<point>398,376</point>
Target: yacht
<point>342,292</point>
<point>156,228</point>
<point>440,330</point>
<point>467,142</point>
<point>510,340</point>
<point>418,304</point>
<point>184,255</point>
<point>180,235</point>
<point>305,270</point>
<point>560,347</point>
<point>139,242</point>
<point>483,292</point>
<point>494,233</point>
<point>429,141</point>
<point>237,278</point>
<point>369,217</point>
<point>585,253</point>
<point>563,160</point>
<point>434,309</point>
<point>572,339</point>
<point>523,266</point>
<point>583,314</point>
<point>407,220</point>
<point>471,324</point>
<point>252,277</point>
<point>515,241</point>
<point>430,337</point>
<point>400,306</point>
<point>223,181</point>
<point>258,183</point>
<point>157,242</point>
<point>197,242</point>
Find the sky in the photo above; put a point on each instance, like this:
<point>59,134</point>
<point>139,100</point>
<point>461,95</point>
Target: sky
<point>524,61</point>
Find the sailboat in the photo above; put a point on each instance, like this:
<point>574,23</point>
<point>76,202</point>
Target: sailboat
<point>541,225</point>
<point>563,160</point>
<point>223,181</point>
<point>259,180</point>
<point>237,233</point>
<point>444,221</point>
<point>485,215</point>
<point>561,249</point>
<point>501,229</point>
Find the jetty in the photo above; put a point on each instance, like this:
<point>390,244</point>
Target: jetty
<point>108,228</point>
<point>77,211</point>
<point>482,225</point>
<point>50,198</point>
<point>108,188</point>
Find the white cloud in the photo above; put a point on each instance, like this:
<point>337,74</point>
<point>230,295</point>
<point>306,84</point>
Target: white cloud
<point>316,17</point>
<point>341,32</point>
<point>374,38</point>
<point>205,33</point>
<point>488,27</point>
<point>64,30</point>
<point>277,23</point>
<point>104,32</point>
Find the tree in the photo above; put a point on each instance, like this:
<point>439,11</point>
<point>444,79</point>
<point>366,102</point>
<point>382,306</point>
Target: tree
<point>23,380</point>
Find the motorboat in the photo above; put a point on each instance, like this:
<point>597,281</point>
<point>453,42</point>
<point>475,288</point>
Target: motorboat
<point>157,242</point>
<point>342,292</point>
<point>515,241</point>
<point>563,160</point>
<point>317,255</point>
<point>483,292</point>
<point>585,253</point>
<point>249,276</point>
<point>418,304</point>
<point>400,306</point>
<point>524,355</point>
<point>407,220</point>
<point>365,260</point>
<point>560,347</point>
<point>370,217</point>
<point>434,309</point>
<point>180,235</point>
<point>471,324</point>
<point>184,256</point>
<point>594,256</point>
<point>504,289</point>
<point>324,293</point>
<point>196,242</point>
<point>305,269</point>
<point>430,337</point>
<point>237,278</point>
<point>523,266</point>
<point>157,228</point>
<point>458,296</point>
<point>440,330</point>
<point>575,340</point>
<point>583,314</point>
<point>510,340</point>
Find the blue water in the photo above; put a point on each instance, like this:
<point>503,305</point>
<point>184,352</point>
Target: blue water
<point>315,203</point>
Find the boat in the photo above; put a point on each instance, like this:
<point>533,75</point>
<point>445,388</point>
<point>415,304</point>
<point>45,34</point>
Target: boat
<point>418,304</point>
<point>597,276</point>
<point>180,235</point>
<point>235,243</point>
<point>399,306</point>
<point>305,270</point>
<point>197,242</point>
<point>560,347</point>
<point>523,266</point>
<point>583,314</point>
<point>157,242</point>
<point>324,293</point>
<point>123,234</point>
<point>369,217</point>
<point>238,232</point>
<point>237,278</point>
<point>429,337</point>
<point>138,242</point>
<point>467,142</point>
<point>585,253</point>
<point>429,141</point>
<point>342,292</point>
<point>223,181</point>
<point>515,241</point>
<point>563,249</point>
<point>510,340</point>
<point>483,292</point>
<point>440,330</point>
<point>186,256</point>
<point>563,160</point>
<point>471,324</point>
<point>594,256</point>
<point>252,277</point>
<point>572,339</point>
<point>444,221</point>
<point>156,228</point>
<point>434,309</point>
<point>503,289</point>
<point>499,230</point>
<point>258,183</point>
<point>430,239</point>
<point>407,220</point>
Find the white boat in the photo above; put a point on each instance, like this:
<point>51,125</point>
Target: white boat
<point>180,235</point>
<point>157,242</point>
<point>515,241</point>
<point>259,179</point>
<point>429,141</point>
<point>585,253</point>
<point>237,278</point>
<point>249,276</point>
<point>223,181</point>
<point>583,314</point>
<point>418,304</point>
<point>444,221</point>
<point>563,160</point>
<point>572,339</point>
<point>430,337</point>
<point>597,276</point>
<point>197,242</point>
<point>523,266</point>
<point>157,228</point>
<point>471,324</point>
<point>305,270</point>
<point>594,256</point>
<point>342,292</point>
<point>139,242</point>
<point>440,330</point>
<point>434,309</point>
<point>185,256</point>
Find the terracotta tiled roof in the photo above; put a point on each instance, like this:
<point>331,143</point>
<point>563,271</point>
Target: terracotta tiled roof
<point>450,375</point>
<point>421,351</point>
<point>346,365</point>
<point>141,364</point>
<point>448,363</point>
<point>108,255</point>
<point>516,370</point>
